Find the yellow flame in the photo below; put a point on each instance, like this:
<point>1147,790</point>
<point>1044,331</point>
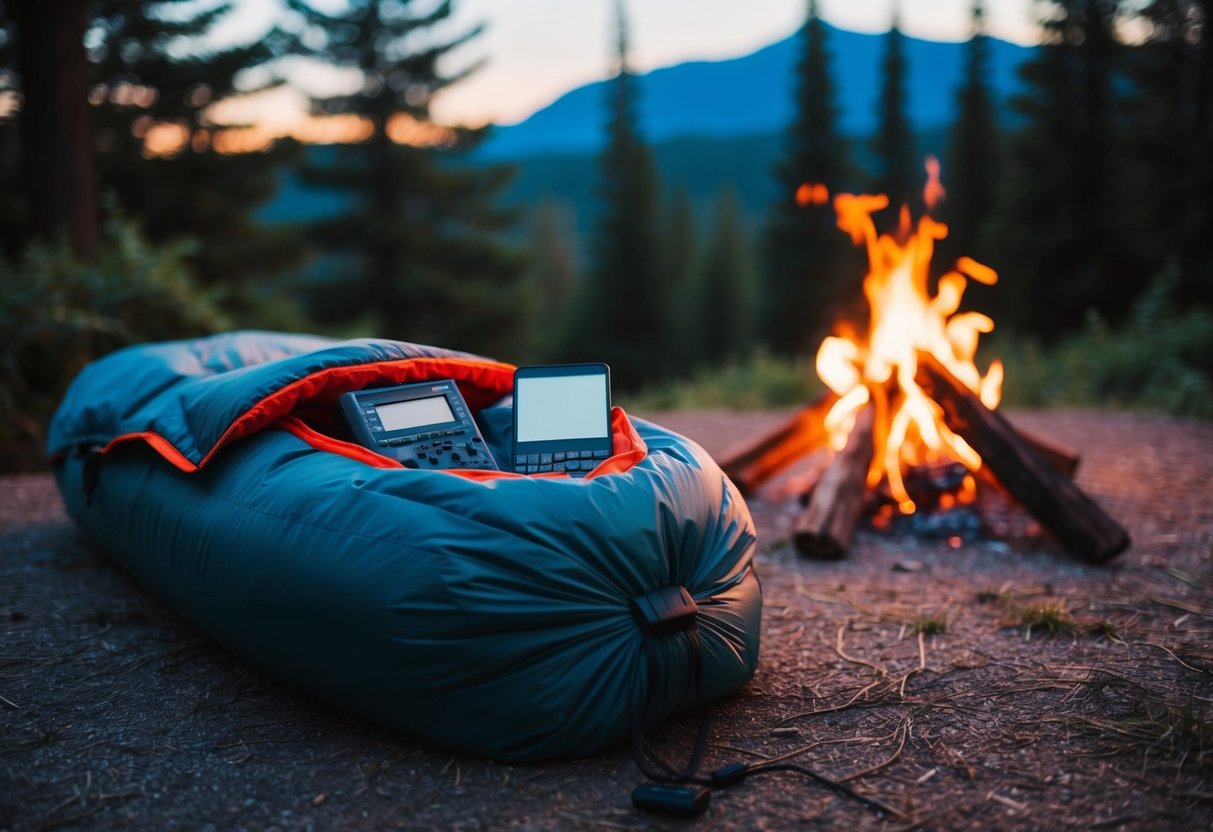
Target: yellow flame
<point>905,317</point>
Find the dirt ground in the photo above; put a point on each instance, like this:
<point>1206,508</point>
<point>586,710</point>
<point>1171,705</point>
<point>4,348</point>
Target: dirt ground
<point>964,684</point>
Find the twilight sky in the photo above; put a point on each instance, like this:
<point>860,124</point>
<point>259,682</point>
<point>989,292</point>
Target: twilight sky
<point>538,49</point>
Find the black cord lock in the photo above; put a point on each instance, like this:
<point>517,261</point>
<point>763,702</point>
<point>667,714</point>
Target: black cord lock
<point>674,801</point>
<point>668,610</point>
<point>90,473</point>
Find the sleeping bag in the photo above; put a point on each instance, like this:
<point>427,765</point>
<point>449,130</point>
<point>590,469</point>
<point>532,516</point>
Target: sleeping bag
<point>518,617</point>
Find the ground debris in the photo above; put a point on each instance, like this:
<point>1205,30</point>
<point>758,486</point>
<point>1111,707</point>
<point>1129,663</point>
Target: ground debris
<point>910,672</point>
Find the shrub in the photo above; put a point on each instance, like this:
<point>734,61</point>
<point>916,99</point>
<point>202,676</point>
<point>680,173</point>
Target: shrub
<point>58,313</point>
<point>1159,360</point>
<point>761,381</point>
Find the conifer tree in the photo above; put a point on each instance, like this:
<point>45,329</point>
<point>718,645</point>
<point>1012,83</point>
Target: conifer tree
<point>145,65</point>
<point>726,287</point>
<point>421,229</point>
<point>807,261</point>
<point>12,207</point>
<point>971,171</point>
<point>553,277</point>
<point>896,168</point>
<point>624,313</point>
<point>1170,106</point>
<point>155,66</point>
<point>680,270</point>
<point>57,162</point>
<point>1064,248</point>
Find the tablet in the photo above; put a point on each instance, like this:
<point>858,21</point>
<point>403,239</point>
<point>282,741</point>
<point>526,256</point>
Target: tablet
<point>562,418</point>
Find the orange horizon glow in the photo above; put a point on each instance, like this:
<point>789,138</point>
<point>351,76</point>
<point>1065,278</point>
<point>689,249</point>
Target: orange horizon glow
<point>171,138</point>
<point>254,123</point>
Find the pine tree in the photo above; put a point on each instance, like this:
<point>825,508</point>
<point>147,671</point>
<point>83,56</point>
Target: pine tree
<point>145,59</point>
<point>155,68</point>
<point>971,170</point>
<point>807,261</point>
<point>60,188</point>
<point>726,287</point>
<point>421,229</point>
<point>1170,181</point>
<point>895,161</point>
<point>680,271</point>
<point>1064,245</point>
<point>12,205</point>
<point>553,276</point>
<point>624,313</point>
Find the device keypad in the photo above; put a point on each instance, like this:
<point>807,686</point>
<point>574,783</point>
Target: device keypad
<point>576,463</point>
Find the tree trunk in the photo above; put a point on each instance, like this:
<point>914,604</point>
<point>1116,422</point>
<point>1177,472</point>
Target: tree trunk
<point>56,140</point>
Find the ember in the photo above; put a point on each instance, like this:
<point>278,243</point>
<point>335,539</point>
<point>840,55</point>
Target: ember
<point>906,399</point>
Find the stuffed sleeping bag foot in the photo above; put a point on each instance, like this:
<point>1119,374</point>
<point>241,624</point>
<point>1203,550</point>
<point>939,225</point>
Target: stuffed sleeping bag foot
<point>518,617</point>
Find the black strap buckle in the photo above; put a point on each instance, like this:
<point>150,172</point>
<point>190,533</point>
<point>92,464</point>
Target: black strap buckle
<point>668,610</point>
<point>90,473</point>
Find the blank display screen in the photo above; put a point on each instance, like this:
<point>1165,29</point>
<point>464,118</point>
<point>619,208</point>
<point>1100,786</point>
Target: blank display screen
<point>414,413</point>
<point>562,407</point>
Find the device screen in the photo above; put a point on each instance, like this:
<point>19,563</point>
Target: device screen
<point>414,413</point>
<point>562,407</point>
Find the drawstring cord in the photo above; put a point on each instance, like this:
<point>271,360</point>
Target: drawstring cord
<point>684,792</point>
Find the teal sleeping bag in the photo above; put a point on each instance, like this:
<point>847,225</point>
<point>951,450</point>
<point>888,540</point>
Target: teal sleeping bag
<point>488,612</point>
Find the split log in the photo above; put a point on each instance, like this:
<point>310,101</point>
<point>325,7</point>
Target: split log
<point>1075,519</point>
<point>768,455</point>
<point>824,529</point>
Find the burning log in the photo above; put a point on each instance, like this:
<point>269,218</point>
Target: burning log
<point>1060,506</point>
<point>825,527</point>
<point>768,455</point>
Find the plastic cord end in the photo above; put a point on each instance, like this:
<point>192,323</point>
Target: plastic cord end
<point>675,801</point>
<point>729,775</point>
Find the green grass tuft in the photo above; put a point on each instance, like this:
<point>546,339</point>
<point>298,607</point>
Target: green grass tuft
<point>1053,616</point>
<point>930,625</point>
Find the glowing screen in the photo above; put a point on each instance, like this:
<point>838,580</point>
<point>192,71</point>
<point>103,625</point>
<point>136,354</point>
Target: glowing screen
<point>414,413</point>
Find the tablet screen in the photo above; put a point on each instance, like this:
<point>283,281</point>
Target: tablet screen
<point>562,407</point>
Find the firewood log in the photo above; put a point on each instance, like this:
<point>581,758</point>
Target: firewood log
<point>1076,520</point>
<point>824,528</point>
<point>766,456</point>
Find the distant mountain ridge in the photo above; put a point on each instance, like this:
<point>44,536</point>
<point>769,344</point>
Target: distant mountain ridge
<point>752,94</point>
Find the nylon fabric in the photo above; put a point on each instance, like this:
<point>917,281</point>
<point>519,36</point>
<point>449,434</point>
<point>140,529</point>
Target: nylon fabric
<point>488,614</point>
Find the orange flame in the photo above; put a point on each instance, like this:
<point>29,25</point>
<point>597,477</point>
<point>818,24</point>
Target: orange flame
<point>905,317</point>
<point>812,193</point>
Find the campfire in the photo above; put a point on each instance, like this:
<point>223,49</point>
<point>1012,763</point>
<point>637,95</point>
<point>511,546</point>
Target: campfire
<point>905,398</point>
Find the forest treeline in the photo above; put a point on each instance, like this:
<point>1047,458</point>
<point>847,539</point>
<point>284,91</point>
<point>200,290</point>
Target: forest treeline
<point>120,194</point>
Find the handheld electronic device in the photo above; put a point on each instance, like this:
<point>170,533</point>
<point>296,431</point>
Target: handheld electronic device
<point>562,418</point>
<point>424,425</point>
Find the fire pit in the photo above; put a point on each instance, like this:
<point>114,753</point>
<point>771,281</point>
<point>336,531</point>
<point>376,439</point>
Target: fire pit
<point>906,396</point>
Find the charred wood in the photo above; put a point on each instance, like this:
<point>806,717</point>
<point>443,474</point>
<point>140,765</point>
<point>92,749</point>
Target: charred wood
<point>1076,520</point>
<point>824,529</point>
<point>770,454</point>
